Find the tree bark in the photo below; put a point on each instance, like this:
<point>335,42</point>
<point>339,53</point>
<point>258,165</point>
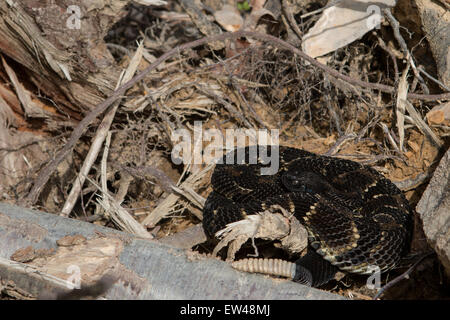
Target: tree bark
<point>61,49</point>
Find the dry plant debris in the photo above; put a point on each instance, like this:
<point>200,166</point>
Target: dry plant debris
<point>368,104</point>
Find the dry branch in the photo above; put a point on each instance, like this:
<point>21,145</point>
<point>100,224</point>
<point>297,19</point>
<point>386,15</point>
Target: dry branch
<point>396,26</point>
<point>403,88</point>
<point>422,125</point>
<point>44,175</point>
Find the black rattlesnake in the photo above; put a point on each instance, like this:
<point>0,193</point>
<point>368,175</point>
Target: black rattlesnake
<point>356,218</point>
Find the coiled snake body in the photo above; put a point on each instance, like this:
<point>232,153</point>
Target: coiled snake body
<point>356,218</point>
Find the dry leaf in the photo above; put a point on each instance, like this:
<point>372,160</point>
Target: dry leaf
<point>253,19</point>
<point>257,4</point>
<point>342,24</point>
<point>229,18</point>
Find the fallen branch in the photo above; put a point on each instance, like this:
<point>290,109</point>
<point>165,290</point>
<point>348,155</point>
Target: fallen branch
<point>396,27</point>
<point>422,125</point>
<point>290,17</point>
<point>45,174</point>
<point>404,275</point>
<point>141,172</point>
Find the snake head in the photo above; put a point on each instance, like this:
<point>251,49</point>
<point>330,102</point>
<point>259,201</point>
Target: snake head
<point>304,181</point>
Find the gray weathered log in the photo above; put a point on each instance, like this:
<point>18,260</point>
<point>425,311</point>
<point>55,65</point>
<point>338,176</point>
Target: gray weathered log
<point>144,269</point>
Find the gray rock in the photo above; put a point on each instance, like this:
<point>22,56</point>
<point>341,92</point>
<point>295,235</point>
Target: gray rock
<point>436,25</point>
<point>434,210</point>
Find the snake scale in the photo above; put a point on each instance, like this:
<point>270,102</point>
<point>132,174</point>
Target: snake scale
<point>355,217</point>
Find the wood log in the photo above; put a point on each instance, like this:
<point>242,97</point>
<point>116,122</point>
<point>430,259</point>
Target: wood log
<point>50,251</point>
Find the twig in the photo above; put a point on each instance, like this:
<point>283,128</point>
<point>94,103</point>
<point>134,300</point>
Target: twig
<point>403,88</point>
<point>404,275</point>
<point>396,27</point>
<point>244,101</point>
<point>103,177</point>
<point>103,163</point>
<point>195,10</point>
<point>141,171</point>
<point>290,17</point>
<point>230,108</point>
<point>389,136</point>
<point>22,146</point>
<point>45,174</point>
<point>333,113</point>
<point>185,189</point>
<point>383,45</point>
<point>409,184</point>
<point>332,3</point>
<point>378,158</point>
<point>335,148</point>
<point>445,3</point>
<point>119,215</point>
<point>433,78</point>
<point>373,121</point>
<point>287,124</point>
<point>99,138</point>
<point>422,125</point>
<point>119,48</point>
<point>222,62</point>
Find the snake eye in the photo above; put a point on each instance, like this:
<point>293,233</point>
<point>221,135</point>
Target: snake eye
<point>292,182</point>
<point>305,181</point>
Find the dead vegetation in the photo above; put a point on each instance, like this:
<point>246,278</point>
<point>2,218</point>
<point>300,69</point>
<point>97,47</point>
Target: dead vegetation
<point>368,101</point>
